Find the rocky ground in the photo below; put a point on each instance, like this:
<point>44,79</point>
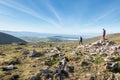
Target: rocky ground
<point>36,61</point>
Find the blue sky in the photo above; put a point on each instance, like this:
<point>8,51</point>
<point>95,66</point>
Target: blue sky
<point>60,16</point>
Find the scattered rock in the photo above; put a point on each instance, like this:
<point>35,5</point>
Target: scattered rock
<point>25,52</point>
<point>10,67</point>
<point>114,66</point>
<point>70,69</point>
<point>33,53</point>
<point>89,58</point>
<point>77,53</point>
<point>37,59</point>
<point>94,53</point>
<point>84,63</point>
<point>111,66</point>
<point>109,59</point>
<point>18,48</point>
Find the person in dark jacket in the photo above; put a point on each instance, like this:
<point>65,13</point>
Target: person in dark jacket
<point>104,34</point>
<point>81,40</point>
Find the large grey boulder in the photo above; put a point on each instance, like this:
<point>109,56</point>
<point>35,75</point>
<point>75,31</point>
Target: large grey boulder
<point>33,53</point>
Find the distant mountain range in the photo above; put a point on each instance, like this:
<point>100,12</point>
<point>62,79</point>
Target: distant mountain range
<point>8,37</point>
<point>36,37</point>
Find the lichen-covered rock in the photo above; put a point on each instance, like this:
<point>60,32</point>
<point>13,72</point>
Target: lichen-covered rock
<point>33,53</point>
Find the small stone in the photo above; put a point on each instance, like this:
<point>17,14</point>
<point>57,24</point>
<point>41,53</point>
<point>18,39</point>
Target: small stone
<point>10,67</point>
<point>25,52</point>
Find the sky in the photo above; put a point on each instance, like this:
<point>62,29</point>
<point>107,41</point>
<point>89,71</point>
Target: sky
<point>60,16</point>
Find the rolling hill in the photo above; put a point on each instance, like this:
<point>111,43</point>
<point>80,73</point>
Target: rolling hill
<point>113,37</point>
<point>8,39</point>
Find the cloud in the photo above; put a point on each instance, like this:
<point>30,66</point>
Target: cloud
<point>101,17</point>
<point>52,9</point>
<point>29,11</point>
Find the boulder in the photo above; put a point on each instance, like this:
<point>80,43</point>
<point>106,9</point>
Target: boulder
<point>101,53</point>
<point>107,65</point>
<point>111,66</point>
<point>33,53</point>
<point>73,53</point>
<point>94,53</point>
<point>84,63</point>
<point>111,43</point>
<point>76,53</point>
<point>58,48</point>
<point>37,59</point>
<point>18,48</point>
<point>114,66</point>
<point>10,67</point>
<point>25,52</point>
<point>89,58</point>
<point>97,43</point>
<point>109,59</point>
<point>70,69</point>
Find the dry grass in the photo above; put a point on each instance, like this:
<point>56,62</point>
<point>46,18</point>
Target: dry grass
<point>25,69</point>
